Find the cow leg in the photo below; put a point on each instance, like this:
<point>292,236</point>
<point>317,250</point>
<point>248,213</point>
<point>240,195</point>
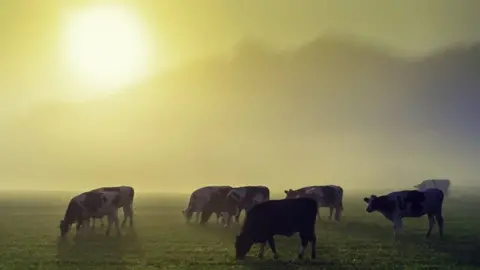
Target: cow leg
<point>439,219</point>
<point>397,226</point>
<point>125,216</point>
<point>227,218</point>
<point>110,221</point>
<point>431,222</point>
<point>131,215</point>
<point>304,239</point>
<point>331,213</point>
<point>86,224</point>
<point>219,217</point>
<point>271,243</point>
<point>313,242</point>
<point>197,217</point>
<point>78,227</point>
<point>262,250</point>
<point>93,223</point>
<point>116,222</point>
<point>338,213</point>
<point>318,213</point>
<point>205,217</point>
<point>237,215</point>
<point>113,219</point>
<point>127,213</point>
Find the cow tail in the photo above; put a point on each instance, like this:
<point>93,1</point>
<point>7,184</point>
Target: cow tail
<point>341,198</point>
<point>132,193</point>
<point>442,196</point>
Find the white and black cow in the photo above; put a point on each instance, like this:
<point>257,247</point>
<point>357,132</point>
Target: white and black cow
<point>409,203</point>
<point>330,196</point>
<point>207,200</point>
<point>278,217</point>
<point>244,198</point>
<point>442,184</point>
<point>127,195</point>
<point>92,204</point>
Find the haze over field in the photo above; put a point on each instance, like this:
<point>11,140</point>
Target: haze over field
<point>279,93</point>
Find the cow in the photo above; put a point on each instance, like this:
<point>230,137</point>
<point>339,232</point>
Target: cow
<point>127,195</point>
<point>244,198</point>
<point>443,184</point>
<point>409,203</point>
<point>207,200</point>
<point>278,217</point>
<point>326,196</point>
<point>92,204</point>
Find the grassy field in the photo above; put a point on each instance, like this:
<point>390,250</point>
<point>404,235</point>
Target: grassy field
<point>29,239</point>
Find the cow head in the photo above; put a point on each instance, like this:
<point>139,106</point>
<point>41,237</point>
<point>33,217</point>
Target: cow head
<point>372,203</point>
<point>243,243</point>
<point>187,213</point>
<point>291,194</point>
<point>64,227</point>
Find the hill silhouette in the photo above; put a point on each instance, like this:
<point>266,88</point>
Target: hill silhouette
<point>333,98</point>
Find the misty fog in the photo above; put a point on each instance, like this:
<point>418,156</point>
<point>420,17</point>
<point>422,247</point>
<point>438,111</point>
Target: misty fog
<point>337,109</point>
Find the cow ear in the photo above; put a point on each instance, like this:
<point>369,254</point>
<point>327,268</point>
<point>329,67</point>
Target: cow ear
<point>286,191</point>
<point>366,200</point>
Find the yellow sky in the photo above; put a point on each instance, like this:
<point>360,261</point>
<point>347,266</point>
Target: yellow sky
<point>184,30</point>
<point>32,70</point>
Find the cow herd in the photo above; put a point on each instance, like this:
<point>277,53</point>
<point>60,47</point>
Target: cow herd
<point>265,218</point>
<point>96,204</point>
<point>298,211</point>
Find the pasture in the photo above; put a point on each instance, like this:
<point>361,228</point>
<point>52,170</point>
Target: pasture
<point>29,239</point>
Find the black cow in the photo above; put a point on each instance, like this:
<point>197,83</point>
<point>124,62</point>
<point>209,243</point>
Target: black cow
<point>244,198</point>
<point>92,204</point>
<point>409,203</point>
<point>278,217</point>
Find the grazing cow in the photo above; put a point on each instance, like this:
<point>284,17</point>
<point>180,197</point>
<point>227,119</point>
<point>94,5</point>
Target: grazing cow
<point>442,184</point>
<point>92,204</point>
<point>127,194</point>
<point>244,198</point>
<point>326,196</point>
<point>278,217</point>
<point>409,203</point>
<point>207,200</point>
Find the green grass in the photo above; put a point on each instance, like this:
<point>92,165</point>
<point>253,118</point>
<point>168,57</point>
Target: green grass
<point>29,240</point>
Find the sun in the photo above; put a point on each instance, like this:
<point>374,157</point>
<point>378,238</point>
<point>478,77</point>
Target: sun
<point>106,48</point>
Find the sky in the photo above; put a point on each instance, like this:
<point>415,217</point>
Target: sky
<point>34,72</point>
<point>184,30</point>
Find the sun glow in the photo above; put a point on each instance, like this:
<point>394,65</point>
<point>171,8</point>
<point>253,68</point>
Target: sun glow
<point>107,48</point>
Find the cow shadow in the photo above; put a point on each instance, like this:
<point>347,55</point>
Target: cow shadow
<point>227,235</point>
<point>254,263</point>
<point>92,250</point>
